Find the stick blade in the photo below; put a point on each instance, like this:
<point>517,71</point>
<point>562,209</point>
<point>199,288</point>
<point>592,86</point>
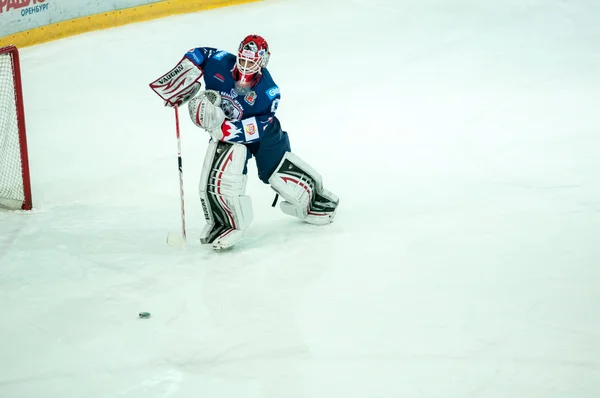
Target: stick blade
<point>176,240</point>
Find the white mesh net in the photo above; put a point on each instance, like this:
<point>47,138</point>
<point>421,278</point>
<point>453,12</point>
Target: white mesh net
<point>12,191</point>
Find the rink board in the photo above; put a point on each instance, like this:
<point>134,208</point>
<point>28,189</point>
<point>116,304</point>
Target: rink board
<point>27,22</point>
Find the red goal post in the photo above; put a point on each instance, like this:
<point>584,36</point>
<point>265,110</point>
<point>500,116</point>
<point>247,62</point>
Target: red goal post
<point>15,184</point>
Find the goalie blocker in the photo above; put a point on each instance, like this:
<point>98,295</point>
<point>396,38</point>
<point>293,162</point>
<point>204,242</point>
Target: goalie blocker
<point>228,211</point>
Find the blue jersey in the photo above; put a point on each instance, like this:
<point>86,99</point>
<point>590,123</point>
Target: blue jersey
<point>250,113</point>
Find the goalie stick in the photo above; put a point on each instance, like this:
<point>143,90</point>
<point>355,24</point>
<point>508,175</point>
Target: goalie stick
<point>175,239</point>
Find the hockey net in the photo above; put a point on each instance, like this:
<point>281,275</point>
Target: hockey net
<point>15,190</point>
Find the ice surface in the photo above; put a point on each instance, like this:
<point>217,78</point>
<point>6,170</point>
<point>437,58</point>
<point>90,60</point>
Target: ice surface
<point>462,138</point>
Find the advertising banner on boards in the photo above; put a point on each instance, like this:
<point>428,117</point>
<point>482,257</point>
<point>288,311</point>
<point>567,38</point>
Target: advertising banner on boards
<point>20,15</point>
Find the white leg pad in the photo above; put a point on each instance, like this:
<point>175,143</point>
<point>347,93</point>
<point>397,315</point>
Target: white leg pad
<point>302,188</point>
<point>222,187</point>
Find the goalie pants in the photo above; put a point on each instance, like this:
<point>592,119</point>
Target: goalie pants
<point>268,151</point>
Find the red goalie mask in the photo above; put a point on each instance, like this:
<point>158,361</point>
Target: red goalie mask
<point>253,55</point>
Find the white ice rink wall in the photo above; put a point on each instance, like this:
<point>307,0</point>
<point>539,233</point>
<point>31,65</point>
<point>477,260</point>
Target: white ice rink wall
<point>27,22</point>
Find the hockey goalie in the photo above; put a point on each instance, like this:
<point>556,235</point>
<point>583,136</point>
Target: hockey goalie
<point>238,110</point>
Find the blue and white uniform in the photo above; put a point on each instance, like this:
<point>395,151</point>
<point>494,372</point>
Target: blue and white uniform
<point>250,112</point>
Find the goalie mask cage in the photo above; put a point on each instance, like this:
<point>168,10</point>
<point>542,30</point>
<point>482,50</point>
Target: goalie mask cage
<point>15,187</point>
